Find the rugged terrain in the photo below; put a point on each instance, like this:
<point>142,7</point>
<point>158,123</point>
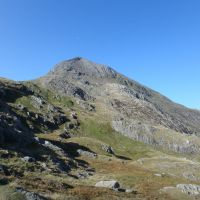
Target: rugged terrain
<point>65,134</point>
<point>134,110</point>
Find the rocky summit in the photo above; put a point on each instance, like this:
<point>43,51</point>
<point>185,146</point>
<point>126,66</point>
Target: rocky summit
<point>85,131</point>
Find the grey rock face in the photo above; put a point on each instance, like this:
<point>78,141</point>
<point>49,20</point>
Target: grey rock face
<point>189,189</point>
<point>30,195</point>
<point>11,128</point>
<point>165,138</point>
<point>37,102</point>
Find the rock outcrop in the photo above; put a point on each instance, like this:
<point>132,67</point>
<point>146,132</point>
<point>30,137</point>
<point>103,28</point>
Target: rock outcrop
<point>30,195</point>
<point>189,189</point>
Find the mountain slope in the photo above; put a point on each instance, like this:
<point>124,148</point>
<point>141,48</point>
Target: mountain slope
<point>62,134</point>
<point>126,103</point>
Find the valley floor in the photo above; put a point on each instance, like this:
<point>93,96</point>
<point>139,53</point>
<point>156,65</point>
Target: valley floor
<point>148,175</point>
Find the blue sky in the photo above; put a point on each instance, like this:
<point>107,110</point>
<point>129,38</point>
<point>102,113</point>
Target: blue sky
<point>156,42</point>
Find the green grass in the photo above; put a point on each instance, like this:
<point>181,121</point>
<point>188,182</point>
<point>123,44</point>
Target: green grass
<point>122,145</point>
<point>26,101</point>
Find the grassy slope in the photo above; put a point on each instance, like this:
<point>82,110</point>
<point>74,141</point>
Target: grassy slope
<point>93,134</point>
<point>95,131</point>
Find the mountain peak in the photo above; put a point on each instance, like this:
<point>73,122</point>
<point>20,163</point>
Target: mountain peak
<point>82,66</point>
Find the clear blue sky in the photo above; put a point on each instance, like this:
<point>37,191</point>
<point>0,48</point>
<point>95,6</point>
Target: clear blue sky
<point>156,42</point>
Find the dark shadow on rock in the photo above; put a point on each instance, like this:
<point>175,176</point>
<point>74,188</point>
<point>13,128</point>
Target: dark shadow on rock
<point>123,157</point>
<point>73,176</point>
<point>71,148</point>
<point>12,91</point>
<point>82,163</point>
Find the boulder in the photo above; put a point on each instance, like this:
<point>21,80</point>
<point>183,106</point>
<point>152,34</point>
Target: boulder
<point>74,115</point>
<point>159,175</point>
<point>108,149</point>
<point>130,191</point>
<point>108,184</point>
<point>86,153</point>
<point>28,159</point>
